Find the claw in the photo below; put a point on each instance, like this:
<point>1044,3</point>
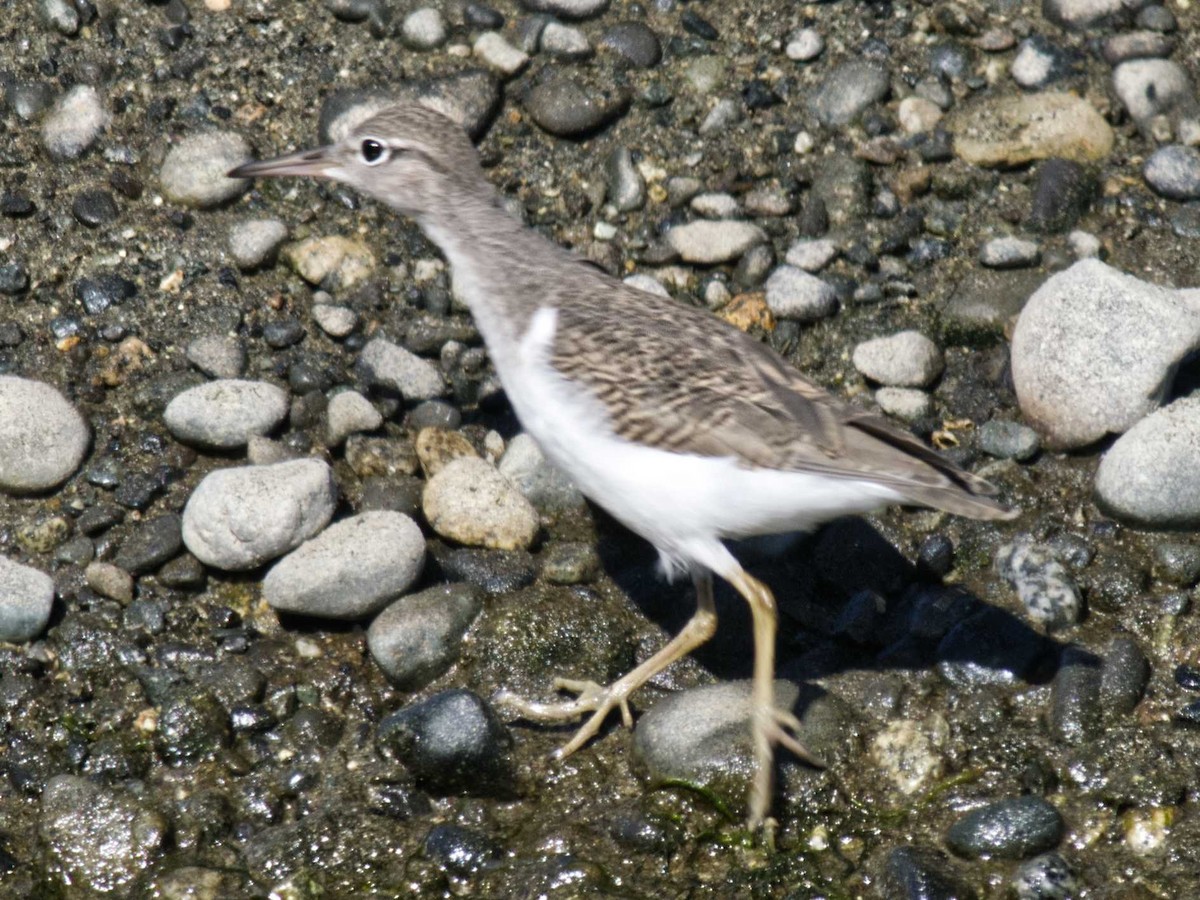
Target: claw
<point>590,698</point>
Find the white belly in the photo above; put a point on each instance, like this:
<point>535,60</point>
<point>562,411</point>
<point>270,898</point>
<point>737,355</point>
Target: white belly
<point>681,503</point>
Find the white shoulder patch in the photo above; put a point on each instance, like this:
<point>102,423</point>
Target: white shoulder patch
<point>538,339</point>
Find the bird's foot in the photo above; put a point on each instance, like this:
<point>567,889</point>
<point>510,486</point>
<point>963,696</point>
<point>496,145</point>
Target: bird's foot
<point>590,698</point>
<point>772,726</point>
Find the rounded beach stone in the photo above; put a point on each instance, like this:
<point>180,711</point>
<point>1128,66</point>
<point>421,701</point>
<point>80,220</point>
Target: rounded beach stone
<point>225,414</point>
<point>256,242</point>
<point>468,501</point>
<point>351,569</point>
<point>905,359</point>
<point>391,366</point>
<point>241,518</point>
<point>710,243</point>
<point>417,638</point>
<point>1151,475</point>
<point>1009,829</point>
<point>1094,350</point>
<point>792,293</point>
<point>348,413</point>
<point>75,122</point>
<point>26,598</point>
<point>193,172</point>
<point>42,436</point>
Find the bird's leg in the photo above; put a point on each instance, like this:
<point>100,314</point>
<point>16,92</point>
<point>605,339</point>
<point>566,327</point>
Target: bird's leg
<point>599,700</point>
<point>769,725</point>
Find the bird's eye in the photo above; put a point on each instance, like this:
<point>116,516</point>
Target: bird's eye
<point>373,152</point>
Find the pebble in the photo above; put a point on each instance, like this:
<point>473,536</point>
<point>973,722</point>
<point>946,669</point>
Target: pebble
<point>989,647</point>
<point>100,838</point>
<point>1177,563</point>
<point>794,294</point>
<point>336,321</point>
<point>911,754</point>
<point>151,544</point>
<point>1093,349</point>
<point>1149,88</point>
<point>240,518</point>
<point>349,412</point>
<point>75,123</point>
<point>565,42</point>
<point>226,413</point>
<point>711,243</point>
<point>1015,828</point>
<point>452,742</point>
<point>43,438</point>
<point>255,243</point>
<point>1045,877</point>
<point>716,206</point>
<point>544,485</point>
<point>905,359</point>
<point>460,851</point>
<point>332,262</point>
<point>1014,130</point>
<point>1084,245</point>
<point>1044,586</point>
<point>848,91</point>
<point>1123,676</point>
<point>1150,474</point>
<point>390,366</point>
<point>417,637</point>
<point>701,736</point>
<point>566,104</point>
<point>1008,440</point>
<point>1174,172</point>
<point>1130,45</point>
<point>1039,63</point>
<point>109,580</point>
<point>350,570</point>
<point>94,208</point>
<point>26,599</point>
<point>568,9</point>
<point>437,447</point>
<point>99,293</point>
<point>470,502</point>
<point>918,115</point>
<point>907,404</point>
<point>634,42</point>
<point>1080,14</point>
<point>919,873</point>
<point>804,45</point>
<point>626,188</point>
<point>1009,253</point>
<point>494,51</point>
<point>14,279</point>
<point>193,172</point>
<point>218,355</point>
<point>1074,715</point>
<point>725,112</point>
<point>1063,191</point>
<point>424,29</point>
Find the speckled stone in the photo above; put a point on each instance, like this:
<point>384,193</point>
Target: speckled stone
<point>193,172</point>
<point>43,438</point>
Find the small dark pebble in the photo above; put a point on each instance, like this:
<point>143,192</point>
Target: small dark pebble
<point>126,184</point>
<point>1188,716</point>
<point>252,719</point>
<point>16,205</point>
<point>1014,828</point>
<point>153,543</point>
<point>283,333</point>
<point>1124,675</point>
<point>452,742</point>
<point>918,873</point>
<point>351,10</point>
<point>1177,563</point>
<point>699,26</point>
<point>645,833</point>
<point>191,727</point>
<point>935,558</point>
<point>1075,696</point>
<point>95,208</point>
<point>184,572</point>
<point>138,491</point>
<point>99,518</point>
<point>99,293</point>
<point>11,334</point>
<point>636,43</point>
<point>479,16</point>
<point>14,279</point>
<point>149,616</point>
<point>1188,677</point>
<point>460,851</point>
<point>1063,191</point>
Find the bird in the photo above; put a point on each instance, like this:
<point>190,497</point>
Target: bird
<point>684,428</point>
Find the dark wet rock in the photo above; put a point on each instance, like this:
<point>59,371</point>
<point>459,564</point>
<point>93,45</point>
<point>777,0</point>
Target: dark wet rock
<point>1075,696</point>
<point>634,42</point>
<point>990,647</point>
<point>95,208</point>
<point>1123,676</point>
<point>417,638</point>
<point>151,544</point>
<point>397,800</point>
<point>496,571</point>
<point>1177,563</point>
<point>848,90</point>
<point>920,873</point>
<point>102,291</point>
<point>191,726</point>
<point>1009,829</point>
<point>567,105</point>
<point>702,736</point>
<point>1045,877</point>
<point>14,279</point>
<point>452,742</point>
<point>936,555</point>
<point>101,839</point>
<point>460,851</point>
<point>1063,191</point>
<point>1043,584</point>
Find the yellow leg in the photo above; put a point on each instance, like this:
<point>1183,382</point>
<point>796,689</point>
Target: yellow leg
<point>769,725</point>
<point>600,701</point>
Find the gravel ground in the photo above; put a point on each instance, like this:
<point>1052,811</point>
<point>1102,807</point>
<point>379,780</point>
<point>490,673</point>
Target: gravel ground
<point>271,541</point>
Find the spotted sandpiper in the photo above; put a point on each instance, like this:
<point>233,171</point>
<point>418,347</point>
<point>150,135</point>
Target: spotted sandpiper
<point>684,428</point>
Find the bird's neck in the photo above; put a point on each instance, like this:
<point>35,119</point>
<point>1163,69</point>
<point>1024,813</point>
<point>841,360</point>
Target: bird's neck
<point>501,269</point>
